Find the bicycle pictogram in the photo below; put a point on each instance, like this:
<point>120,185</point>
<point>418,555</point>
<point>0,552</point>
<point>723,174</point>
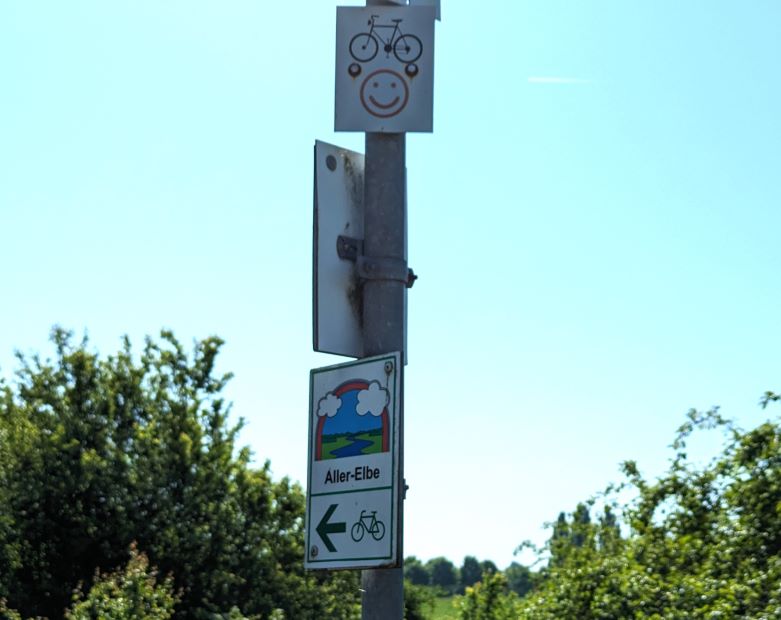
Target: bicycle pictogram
<point>364,46</point>
<point>367,522</point>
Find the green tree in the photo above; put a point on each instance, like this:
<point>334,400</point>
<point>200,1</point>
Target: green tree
<point>443,574</point>
<point>519,578</point>
<point>559,543</point>
<point>470,573</point>
<point>98,453</point>
<point>415,572</point>
<point>702,541</point>
<point>487,566</point>
<point>129,594</point>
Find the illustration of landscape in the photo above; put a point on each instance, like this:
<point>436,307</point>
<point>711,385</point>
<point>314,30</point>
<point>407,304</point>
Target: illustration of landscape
<point>349,434</point>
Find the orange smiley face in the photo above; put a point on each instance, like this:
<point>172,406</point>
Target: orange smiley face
<point>384,93</point>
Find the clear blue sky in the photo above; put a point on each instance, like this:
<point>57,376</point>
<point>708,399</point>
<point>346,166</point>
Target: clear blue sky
<point>594,220</point>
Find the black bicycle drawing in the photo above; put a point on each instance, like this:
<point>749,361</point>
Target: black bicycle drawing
<point>364,46</point>
<point>367,522</point>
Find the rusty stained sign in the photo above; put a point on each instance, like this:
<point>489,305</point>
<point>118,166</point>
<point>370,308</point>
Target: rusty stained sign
<point>338,217</point>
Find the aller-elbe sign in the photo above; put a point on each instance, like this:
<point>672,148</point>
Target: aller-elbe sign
<point>352,508</point>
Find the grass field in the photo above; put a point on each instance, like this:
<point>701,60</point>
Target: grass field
<point>443,609</point>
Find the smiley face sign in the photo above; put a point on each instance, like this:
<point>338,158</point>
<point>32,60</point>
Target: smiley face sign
<point>384,93</point>
<point>384,69</point>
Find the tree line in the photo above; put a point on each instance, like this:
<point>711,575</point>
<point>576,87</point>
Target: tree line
<point>448,579</point>
<point>124,495</point>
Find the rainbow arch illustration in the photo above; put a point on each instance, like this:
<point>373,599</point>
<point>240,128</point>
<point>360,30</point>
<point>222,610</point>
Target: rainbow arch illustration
<point>347,433</point>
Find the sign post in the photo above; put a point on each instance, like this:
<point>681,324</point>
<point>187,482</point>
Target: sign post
<point>395,96</point>
<point>384,87</point>
<point>385,228</point>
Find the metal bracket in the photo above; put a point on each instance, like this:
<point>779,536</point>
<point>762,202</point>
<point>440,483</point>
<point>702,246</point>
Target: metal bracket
<point>381,268</point>
<point>373,268</point>
<point>349,248</point>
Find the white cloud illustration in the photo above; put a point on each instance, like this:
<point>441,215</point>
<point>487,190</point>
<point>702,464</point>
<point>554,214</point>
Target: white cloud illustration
<point>328,405</point>
<point>373,400</point>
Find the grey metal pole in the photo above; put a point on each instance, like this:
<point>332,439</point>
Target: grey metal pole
<point>385,229</point>
<point>383,323</point>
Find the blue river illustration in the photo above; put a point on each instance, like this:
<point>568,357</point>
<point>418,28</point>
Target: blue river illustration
<point>347,433</point>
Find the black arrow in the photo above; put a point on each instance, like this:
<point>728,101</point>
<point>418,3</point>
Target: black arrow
<point>324,528</point>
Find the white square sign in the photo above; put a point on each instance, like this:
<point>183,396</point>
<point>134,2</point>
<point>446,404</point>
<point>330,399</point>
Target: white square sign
<point>352,508</point>
<point>384,69</point>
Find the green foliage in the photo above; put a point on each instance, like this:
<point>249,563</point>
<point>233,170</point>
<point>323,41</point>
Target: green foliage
<point>415,572</point>
<point>443,574</point>
<point>418,602</point>
<point>98,453</point>
<point>444,608</point>
<point>490,599</point>
<point>702,541</point>
<point>470,572</point>
<point>6,613</point>
<point>519,578</point>
<point>487,566</point>
<point>129,594</point>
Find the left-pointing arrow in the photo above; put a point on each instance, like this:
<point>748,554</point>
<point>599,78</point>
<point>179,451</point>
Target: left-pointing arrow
<point>324,528</point>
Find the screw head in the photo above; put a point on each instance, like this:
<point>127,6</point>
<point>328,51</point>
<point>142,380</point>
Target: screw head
<point>388,368</point>
<point>330,161</point>
<point>354,69</point>
<point>314,551</point>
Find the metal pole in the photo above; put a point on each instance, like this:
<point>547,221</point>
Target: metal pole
<point>385,232</point>
<point>383,324</point>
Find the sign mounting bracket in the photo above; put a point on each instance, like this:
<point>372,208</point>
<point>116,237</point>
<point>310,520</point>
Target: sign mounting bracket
<point>373,268</point>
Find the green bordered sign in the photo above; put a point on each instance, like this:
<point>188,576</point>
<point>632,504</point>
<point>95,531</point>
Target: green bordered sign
<point>352,509</point>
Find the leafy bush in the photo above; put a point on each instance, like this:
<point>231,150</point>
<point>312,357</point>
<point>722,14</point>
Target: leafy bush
<point>129,594</point>
<point>418,602</point>
<point>702,541</point>
<point>98,453</point>
<point>488,599</point>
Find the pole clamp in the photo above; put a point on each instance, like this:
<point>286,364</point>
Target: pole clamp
<point>372,267</point>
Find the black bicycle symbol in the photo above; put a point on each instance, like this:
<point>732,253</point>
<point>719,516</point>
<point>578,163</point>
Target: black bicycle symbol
<point>406,47</point>
<point>367,523</point>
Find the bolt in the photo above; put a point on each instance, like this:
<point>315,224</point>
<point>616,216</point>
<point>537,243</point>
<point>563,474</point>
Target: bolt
<point>411,277</point>
<point>314,551</point>
<point>330,161</point>
<point>388,368</point>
